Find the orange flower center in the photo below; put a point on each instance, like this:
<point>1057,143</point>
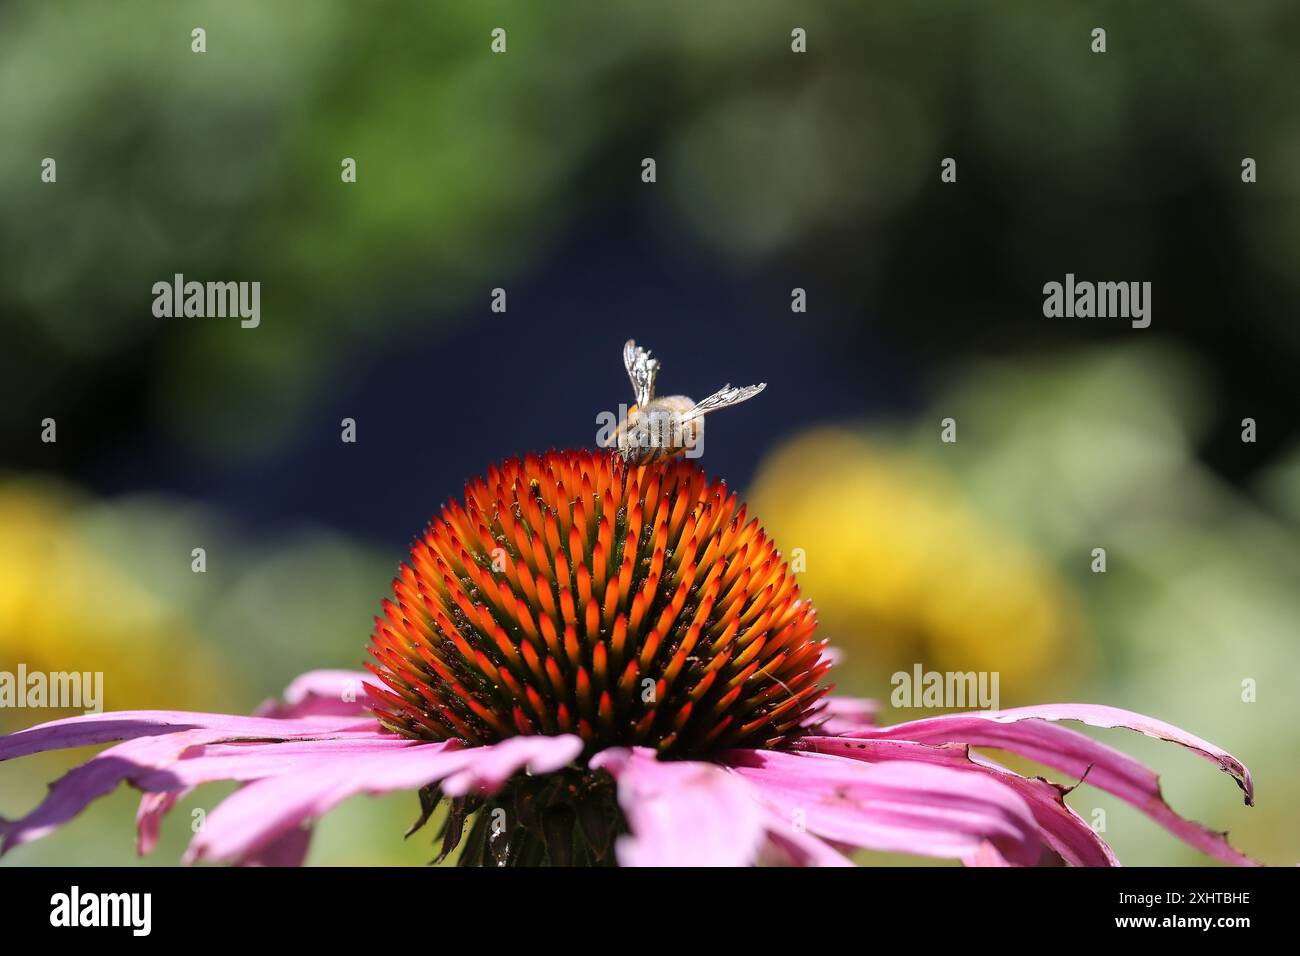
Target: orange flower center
<point>574,593</point>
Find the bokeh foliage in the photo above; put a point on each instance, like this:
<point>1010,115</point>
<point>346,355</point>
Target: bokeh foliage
<point>820,170</point>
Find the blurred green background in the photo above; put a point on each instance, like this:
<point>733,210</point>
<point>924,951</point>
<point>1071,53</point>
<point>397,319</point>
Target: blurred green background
<point>775,170</point>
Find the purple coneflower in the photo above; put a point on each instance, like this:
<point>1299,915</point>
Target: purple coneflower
<point>595,662</point>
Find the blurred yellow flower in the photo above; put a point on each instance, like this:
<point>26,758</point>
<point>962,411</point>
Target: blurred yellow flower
<point>902,570</point>
<point>65,606</point>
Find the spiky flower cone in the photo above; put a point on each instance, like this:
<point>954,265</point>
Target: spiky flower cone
<point>572,593</point>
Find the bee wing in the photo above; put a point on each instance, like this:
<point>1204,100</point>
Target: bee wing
<point>724,397</point>
<point>642,370</point>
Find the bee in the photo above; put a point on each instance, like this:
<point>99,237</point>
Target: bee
<point>659,429</point>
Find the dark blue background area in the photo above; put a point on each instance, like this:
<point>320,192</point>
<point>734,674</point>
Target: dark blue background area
<point>439,401</point>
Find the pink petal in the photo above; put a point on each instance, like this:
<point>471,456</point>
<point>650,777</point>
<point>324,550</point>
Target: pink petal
<point>1025,731</point>
<point>492,766</point>
<point>797,847</point>
<point>986,854</point>
<point>1064,831</point>
<point>894,806</point>
<point>682,813</point>
<point>87,729</point>
<point>843,715</point>
<point>149,760</point>
<point>266,809</point>
<point>1066,834</point>
<point>148,819</point>
<point>244,760</point>
<point>332,693</point>
<point>74,791</point>
<point>1099,715</point>
<point>252,760</point>
<point>288,849</point>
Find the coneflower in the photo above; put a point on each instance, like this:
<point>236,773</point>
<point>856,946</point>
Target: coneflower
<point>599,657</point>
<point>572,593</point>
<point>598,662</point>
